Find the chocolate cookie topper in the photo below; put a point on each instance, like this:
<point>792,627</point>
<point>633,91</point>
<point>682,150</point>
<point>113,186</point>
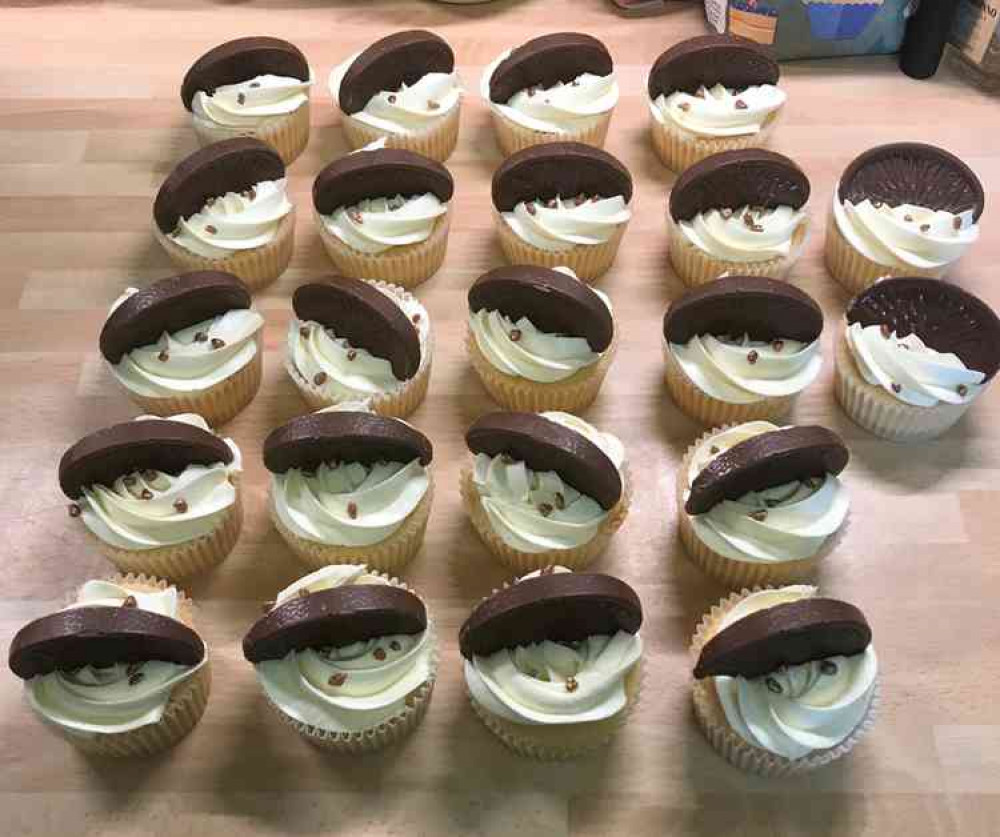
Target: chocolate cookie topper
<point>389,63</point>
<point>545,445</point>
<point>381,173</point>
<point>559,169</point>
<point>913,173</point>
<point>729,60</point>
<point>944,316</point>
<point>787,634</point>
<point>233,165</point>
<point>732,179</point>
<point>241,60</point>
<point>342,436</point>
<point>548,60</point>
<point>558,607</point>
<point>334,618</point>
<point>766,461</point>
<point>764,309</point>
<point>554,302</point>
<point>149,444</point>
<point>101,636</point>
<point>364,316</point>
<point>170,305</point>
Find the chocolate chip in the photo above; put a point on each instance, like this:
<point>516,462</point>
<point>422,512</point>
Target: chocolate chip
<point>773,686</point>
<point>130,601</point>
<point>432,105</point>
<point>530,207</point>
<point>828,667</point>
<point>748,220</point>
<point>352,354</point>
<point>210,229</point>
<point>886,330</point>
<point>146,494</point>
<point>200,337</point>
<point>180,505</point>
<point>515,335</point>
<point>739,104</point>
<point>74,510</point>
<point>963,390</point>
<point>908,219</point>
<point>683,106</point>
<point>338,679</point>
<point>957,223</point>
<point>135,679</point>
<point>571,684</point>
<point>352,510</point>
<point>714,449</point>
<point>560,500</point>
<point>760,515</point>
<point>545,509</point>
<point>304,332</point>
<point>551,203</point>
<point>752,356</point>
<point>163,356</point>
<point>392,99</point>
<point>255,84</point>
<point>319,378</point>
<point>777,345</point>
<point>877,204</point>
<point>896,387</point>
<point>241,98</point>
<point>925,228</point>
<point>218,342</point>
<point>379,654</point>
<point>416,318</point>
<point>395,646</point>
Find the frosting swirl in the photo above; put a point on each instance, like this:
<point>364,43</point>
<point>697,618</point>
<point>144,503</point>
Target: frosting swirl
<point>719,111</point>
<point>535,511</point>
<point>747,234</point>
<point>248,104</point>
<point>909,370</point>
<point>789,522</point>
<point>377,224</point>
<point>178,509</point>
<point>348,688</point>
<point>800,709</point>
<point>564,222</point>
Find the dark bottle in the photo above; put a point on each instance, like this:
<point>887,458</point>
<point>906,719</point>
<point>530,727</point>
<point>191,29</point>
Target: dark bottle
<point>926,35</point>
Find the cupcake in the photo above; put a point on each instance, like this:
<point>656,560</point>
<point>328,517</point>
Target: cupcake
<point>402,88</point>
<point>544,488</point>
<point>251,87</point>
<point>785,681</point>
<point>915,354</point>
<point>559,87</point>
<point>540,339</point>
<point>761,504</point>
<point>187,344</point>
<point>553,661</point>
<point>156,496</point>
<point>710,94</point>
<point>224,208</point>
<point>741,348</point>
<point>351,341</point>
<point>563,204</point>
<point>383,213</point>
<point>904,209</point>
<point>739,213</point>
<point>119,672</point>
<point>346,657</point>
<point>349,486</point>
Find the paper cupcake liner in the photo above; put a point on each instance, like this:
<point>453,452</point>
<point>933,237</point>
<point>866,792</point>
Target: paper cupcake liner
<point>724,739</point>
<point>695,267</point>
<point>878,412</point>
<point>524,562</point>
<point>257,267</point>
<point>287,134</point>
<point>389,556</point>
<point>678,149</point>
<point>406,266</point>
<point>574,394</point>
<point>735,573</point>
<point>437,141</point>
<point>512,137</point>
<point>587,261</point>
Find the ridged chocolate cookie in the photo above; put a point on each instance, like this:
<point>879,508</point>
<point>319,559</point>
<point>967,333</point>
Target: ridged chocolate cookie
<point>765,461</point>
<point>544,445</point>
<point>554,302</point>
<point>381,173</point>
<point>170,305</point>
<point>558,607</point>
<point>559,169</point>
<point>334,617</point>
<point>764,309</point>
<point>389,63</point>
<point>548,60</point>
<point>228,166</point>
<point>364,316</point>
<point>150,444</point>
<point>732,179</point>
<point>341,436</point>
<point>944,316</point>
<point>101,636</point>
<point>787,634</point>
<point>913,173</point>
<point>241,60</point>
<point>707,60</point>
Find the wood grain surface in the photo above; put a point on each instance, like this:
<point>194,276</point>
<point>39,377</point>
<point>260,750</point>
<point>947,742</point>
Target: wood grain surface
<point>91,121</point>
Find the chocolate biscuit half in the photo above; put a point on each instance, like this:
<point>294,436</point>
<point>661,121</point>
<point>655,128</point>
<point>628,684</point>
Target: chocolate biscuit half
<point>708,60</point>
<point>548,60</point>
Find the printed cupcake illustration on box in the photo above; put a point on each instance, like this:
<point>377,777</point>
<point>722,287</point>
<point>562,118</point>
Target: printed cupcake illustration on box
<point>754,20</point>
<point>840,20</point>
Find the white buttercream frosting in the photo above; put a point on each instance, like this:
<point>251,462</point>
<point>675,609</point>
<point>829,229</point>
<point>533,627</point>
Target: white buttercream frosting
<point>566,220</point>
<point>249,104</point>
<point>746,234</point>
<point>719,111</point>
<point>375,225</point>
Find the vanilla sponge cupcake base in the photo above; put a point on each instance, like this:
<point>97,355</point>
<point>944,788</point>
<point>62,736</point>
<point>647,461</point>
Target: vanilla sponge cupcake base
<point>512,137</point>
<point>287,134</point>
<point>437,141</point>
<point>679,149</point>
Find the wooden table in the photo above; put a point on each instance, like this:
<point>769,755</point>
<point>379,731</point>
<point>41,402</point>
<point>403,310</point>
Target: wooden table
<point>91,121</point>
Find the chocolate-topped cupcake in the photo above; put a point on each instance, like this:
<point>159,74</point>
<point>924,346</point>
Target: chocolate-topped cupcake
<point>562,204</point>
<point>915,354</point>
<point>762,504</point>
<point>740,213</point>
<point>383,213</point>
<point>905,209</point>
<point>403,89</point>
<point>356,341</point>
<point>251,87</point>
<point>225,208</point>
<point>741,348</point>
<point>558,87</point>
